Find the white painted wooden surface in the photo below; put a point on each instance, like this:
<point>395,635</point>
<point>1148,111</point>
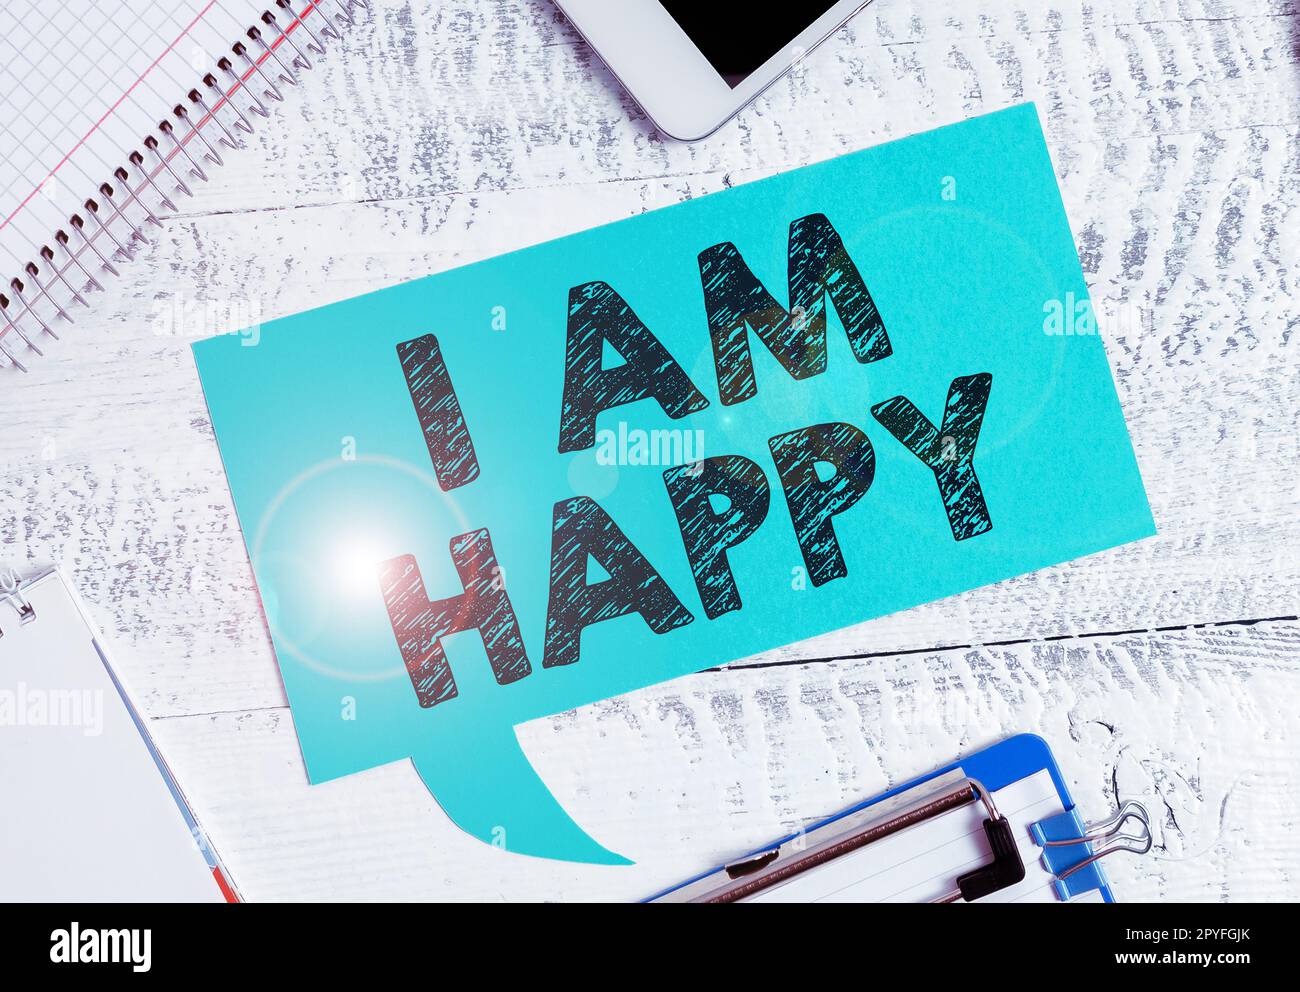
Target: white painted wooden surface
<point>1167,671</point>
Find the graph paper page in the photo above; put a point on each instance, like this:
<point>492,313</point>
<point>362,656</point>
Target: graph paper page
<point>81,85</point>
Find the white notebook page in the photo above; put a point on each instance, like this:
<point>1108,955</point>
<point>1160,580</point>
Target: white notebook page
<point>88,816</point>
<point>921,864</point>
<point>81,84</point>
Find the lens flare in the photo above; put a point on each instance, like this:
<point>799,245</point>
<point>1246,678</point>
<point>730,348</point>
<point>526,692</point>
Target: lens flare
<point>354,565</point>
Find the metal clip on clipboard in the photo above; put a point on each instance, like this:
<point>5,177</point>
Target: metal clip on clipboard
<point>11,593</point>
<point>1068,844</point>
<point>757,873</point>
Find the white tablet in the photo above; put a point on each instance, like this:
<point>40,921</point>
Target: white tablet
<point>692,64</point>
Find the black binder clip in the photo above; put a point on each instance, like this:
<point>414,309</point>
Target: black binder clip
<point>1007,867</point>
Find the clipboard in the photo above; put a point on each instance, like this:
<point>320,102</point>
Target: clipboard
<point>1031,843</point>
<point>103,819</point>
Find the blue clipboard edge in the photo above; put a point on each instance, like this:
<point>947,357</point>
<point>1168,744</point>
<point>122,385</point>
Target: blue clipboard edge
<point>996,766</point>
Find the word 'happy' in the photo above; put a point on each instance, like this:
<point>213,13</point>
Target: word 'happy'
<point>719,501</point>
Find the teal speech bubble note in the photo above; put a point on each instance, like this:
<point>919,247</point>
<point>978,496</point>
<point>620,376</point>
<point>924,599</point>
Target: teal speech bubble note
<point>541,480</point>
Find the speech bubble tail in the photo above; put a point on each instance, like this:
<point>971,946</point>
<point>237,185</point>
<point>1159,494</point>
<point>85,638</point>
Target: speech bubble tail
<point>500,799</point>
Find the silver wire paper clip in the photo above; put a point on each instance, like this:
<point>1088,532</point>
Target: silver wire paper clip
<point>1070,847</point>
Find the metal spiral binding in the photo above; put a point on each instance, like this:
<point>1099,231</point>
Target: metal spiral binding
<point>276,57</point>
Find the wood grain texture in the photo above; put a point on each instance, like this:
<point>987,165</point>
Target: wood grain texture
<point>1199,725</point>
<point>445,133</point>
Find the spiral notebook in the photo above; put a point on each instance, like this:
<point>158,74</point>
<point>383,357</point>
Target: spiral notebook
<point>112,110</point>
<point>92,811</point>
